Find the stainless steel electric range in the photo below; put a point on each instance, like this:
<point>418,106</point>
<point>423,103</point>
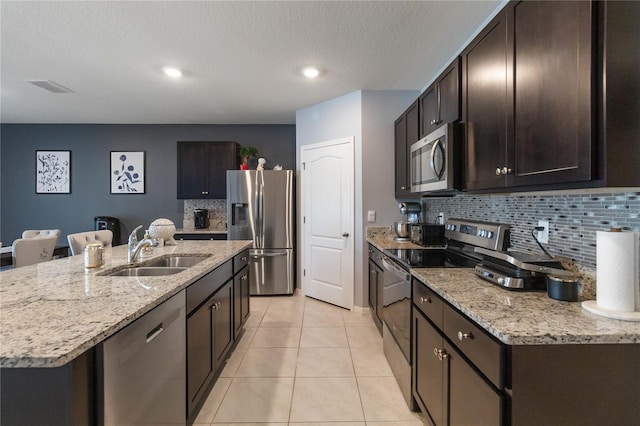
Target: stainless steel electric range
<point>462,236</point>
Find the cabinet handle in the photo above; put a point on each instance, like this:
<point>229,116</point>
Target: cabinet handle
<point>243,258</point>
<point>434,122</point>
<point>404,188</point>
<point>440,354</point>
<point>244,277</point>
<point>370,251</point>
<point>375,272</point>
<point>345,234</point>
<point>462,336</point>
<point>503,171</point>
<point>425,299</point>
<point>205,192</point>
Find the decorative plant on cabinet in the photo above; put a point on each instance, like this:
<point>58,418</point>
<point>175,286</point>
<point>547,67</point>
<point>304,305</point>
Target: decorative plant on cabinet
<point>247,153</point>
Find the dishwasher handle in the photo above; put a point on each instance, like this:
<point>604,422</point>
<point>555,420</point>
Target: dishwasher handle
<point>389,266</point>
<point>155,332</point>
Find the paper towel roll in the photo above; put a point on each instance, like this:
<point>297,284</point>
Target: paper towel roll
<point>617,269</point>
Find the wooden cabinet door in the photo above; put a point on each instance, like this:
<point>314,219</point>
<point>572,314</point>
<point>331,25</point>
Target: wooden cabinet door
<point>200,362</point>
<point>486,105</point>
<point>449,94</point>
<point>428,369</point>
<point>192,169</point>
<point>222,312</point>
<point>472,400</point>
<point>222,156</point>
<point>430,116</point>
<point>440,103</point>
<point>552,92</point>
<point>240,300</point>
<point>407,130</point>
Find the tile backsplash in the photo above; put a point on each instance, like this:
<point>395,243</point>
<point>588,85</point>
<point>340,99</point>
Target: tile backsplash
<point>217,213</point>
<point>574,217</point>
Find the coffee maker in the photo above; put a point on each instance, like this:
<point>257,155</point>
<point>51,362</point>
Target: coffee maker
<point>201,218</point>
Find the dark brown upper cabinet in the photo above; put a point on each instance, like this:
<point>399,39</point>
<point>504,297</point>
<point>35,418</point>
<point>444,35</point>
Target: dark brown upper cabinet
<point>406,133</point>
<point>534,99</point>
<point>440,103</point>
<point>527,97</point>
<point>485,105</point>
<point>202,168</point>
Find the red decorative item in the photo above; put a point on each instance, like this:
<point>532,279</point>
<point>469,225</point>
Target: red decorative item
<point>244,167</point>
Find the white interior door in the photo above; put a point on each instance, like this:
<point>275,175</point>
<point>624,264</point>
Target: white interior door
<point>328,221</point>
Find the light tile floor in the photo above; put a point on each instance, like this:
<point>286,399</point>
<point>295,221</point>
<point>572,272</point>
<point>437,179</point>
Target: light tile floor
<point>306,362</point>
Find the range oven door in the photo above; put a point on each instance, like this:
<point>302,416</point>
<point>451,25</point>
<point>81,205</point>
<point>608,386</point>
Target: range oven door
<point>396,311</point>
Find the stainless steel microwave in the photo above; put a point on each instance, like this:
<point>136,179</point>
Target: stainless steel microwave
<point>434,160</point>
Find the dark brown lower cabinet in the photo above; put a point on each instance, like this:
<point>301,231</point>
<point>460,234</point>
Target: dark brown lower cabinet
<point>209,334</point>
<point>240,300</point>
<point>472,400</point>
<point>446,386</point>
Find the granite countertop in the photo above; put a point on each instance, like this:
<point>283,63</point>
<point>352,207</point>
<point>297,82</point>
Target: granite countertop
<point>524,318</point>
<point>54,311</point>
<point>199,231</point>
<point>519,318</point>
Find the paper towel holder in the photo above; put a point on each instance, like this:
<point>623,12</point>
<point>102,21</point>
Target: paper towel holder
<point>592,305</point>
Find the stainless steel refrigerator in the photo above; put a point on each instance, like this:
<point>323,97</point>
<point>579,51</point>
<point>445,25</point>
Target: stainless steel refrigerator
<point>260,207</point>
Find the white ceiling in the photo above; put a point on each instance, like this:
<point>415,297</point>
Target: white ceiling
<point>241,59</point>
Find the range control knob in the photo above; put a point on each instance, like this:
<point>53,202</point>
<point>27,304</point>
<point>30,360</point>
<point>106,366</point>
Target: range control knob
<point>489,234</point>
<point>500,280</point>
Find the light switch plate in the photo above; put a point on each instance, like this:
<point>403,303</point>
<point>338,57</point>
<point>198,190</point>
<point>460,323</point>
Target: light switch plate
<point>371,216</point>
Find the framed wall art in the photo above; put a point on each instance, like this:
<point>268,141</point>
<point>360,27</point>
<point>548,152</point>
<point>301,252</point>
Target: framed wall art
<point>53,172</point>
<point>127,172</point>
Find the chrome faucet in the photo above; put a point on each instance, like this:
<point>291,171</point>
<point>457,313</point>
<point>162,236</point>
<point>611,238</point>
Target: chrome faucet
<point>134,248</point>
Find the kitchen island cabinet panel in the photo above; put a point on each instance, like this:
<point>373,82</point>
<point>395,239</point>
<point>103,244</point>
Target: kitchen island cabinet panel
<point>240,301</point>
<point>209,331</point>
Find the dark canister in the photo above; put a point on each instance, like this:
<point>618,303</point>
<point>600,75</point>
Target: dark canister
<point>201,218</point>
<point>563,288</point>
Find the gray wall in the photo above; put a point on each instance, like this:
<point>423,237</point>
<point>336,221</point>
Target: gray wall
<point>90,195</point>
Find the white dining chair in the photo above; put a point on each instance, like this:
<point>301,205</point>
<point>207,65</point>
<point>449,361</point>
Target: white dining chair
<point>78,241</point>
<point>27,251</point>
<point>32,233</point>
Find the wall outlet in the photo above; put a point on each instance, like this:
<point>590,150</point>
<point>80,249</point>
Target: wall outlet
<point>371,216</point>
<point>543,236</point>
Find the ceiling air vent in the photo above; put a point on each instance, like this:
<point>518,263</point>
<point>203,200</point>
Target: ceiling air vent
<point>49,85</point>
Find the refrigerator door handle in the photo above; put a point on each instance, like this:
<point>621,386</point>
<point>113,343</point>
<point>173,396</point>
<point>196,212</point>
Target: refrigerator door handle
<point>259,255</point>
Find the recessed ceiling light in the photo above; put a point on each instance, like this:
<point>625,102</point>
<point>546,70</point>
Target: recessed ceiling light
<point>172,72</point>
<point>310,72</point>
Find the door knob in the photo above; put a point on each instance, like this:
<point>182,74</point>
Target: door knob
<point>345,234</point>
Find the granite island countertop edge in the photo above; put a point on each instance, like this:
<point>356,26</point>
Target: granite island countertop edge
<point>84,308</point>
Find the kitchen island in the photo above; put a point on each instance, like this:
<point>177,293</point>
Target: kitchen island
<point>54,314</point>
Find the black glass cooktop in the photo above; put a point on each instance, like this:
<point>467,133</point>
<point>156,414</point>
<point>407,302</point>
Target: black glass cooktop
<point>432,258</point>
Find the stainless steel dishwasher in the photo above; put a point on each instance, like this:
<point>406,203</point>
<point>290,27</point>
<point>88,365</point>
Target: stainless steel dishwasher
<point>143,380</point>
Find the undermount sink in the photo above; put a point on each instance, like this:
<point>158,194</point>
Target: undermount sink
<point>145,271</point>
<point>176,261</point>
<point>158,267</point>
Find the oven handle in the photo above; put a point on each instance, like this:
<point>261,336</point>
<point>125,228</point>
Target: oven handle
<point>390,266</point>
